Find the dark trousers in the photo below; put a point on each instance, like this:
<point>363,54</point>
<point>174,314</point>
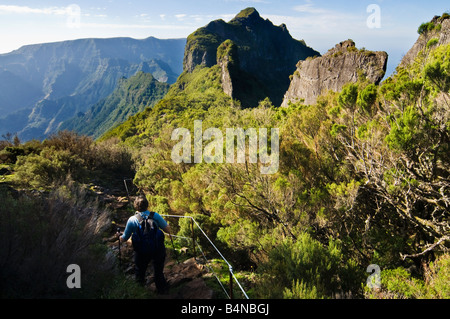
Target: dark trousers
<point>142,260</point>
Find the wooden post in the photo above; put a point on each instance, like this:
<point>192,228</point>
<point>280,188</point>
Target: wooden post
<point>193,237</point>
<point>231,283</point>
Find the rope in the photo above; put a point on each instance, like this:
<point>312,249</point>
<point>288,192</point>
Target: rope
<point>214,273</point>
<point>207,262</point>
<point>177,236</point>
<point>220,254</point>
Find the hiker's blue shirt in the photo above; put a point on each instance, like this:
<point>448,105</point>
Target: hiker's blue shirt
<point>133,224</point>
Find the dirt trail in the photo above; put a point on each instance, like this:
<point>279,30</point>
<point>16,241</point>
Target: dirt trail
<point>185,278</point>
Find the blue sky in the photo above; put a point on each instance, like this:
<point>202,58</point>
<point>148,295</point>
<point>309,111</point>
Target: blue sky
<point>321,23</point>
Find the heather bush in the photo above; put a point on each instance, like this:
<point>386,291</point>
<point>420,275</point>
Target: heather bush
<point>42,234</point>
<point>304,268</point>
<point>399,283</point>
<point>49,167</point>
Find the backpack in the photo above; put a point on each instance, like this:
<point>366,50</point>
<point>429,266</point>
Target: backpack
<point>148,238</point>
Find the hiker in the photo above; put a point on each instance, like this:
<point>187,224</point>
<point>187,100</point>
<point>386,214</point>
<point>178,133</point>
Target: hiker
<point>143,255</point>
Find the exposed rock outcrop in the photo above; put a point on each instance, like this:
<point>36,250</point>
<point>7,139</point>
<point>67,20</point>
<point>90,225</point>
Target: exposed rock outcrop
<point>264,56</point>
<point>434,33</point>
<point>339,66</point>
<point>227,59</point>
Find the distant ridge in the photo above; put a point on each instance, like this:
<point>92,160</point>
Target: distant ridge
<point>68,77</point>
<point>131,97</point>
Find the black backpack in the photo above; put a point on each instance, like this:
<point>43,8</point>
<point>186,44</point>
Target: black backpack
<point>148,238</point>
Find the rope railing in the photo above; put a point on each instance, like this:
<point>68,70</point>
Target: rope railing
<point>206,259</point>
<point>214,273</point>
<point>230,295</point>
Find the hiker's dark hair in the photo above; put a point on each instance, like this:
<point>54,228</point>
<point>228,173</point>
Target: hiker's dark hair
<point>141,203</point>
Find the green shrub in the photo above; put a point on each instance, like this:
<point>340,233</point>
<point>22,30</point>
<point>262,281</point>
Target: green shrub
<point>437,278</point>
<point>48,168</point>
<point>9,153</point>
<point>41,235</point>
<point>426,27</point>
<point>400,284</point>
<point>300,290</point>
<point>208,226</point>
<point>404,130</point>
<point>348,97</point>
<point>72,143</point>
<point>112,155</point>
<point>367,98</point>
<point>432,42</point>
<point>396,284</point>
<point>306,268</point>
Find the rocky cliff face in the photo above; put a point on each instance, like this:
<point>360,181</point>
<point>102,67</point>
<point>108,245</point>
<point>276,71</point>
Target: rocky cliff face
<point>264,54</point>
<point>339,66</point>
<point>434,33</point>
<point>227,59</point>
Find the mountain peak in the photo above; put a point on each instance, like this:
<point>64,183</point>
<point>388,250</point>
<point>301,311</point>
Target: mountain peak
<point>248,13</point>
<point>264,55</point>
<point>433,33</point>
<point>340,65</point>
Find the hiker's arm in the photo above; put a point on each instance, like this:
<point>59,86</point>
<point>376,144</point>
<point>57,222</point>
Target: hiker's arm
<point>127,232</point>
<point>162,224</point>
<point>122,239</point>
<point>167,230</point>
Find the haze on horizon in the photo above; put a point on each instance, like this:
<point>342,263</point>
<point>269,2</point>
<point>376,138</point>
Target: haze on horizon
<point>321,23</point>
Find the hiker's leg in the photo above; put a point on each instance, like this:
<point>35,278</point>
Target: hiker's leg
<point>141,262</point>
<point>158,265</point>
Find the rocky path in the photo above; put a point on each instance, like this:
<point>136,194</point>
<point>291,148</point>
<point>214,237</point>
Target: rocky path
<point>186,277</point>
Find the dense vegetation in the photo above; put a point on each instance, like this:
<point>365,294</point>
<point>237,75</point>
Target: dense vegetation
<point>50,218</point>
<point>130,97</point>
<point>363,179</point>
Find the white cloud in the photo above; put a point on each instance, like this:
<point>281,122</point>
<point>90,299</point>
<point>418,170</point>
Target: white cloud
<point>309,8</point>
<point>12,9</point>
<point>249,1</point>
<point>322,28</point>
<point>180,16</point>
<point>134,26</point>
<point>197,17</point>
<point>227,17</point>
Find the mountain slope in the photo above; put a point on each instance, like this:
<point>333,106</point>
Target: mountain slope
<point>431,34</point>
<point>247,59</point>
<point>265,55</point>
<point>16,93</point>
<point>68,77</point>
<point>131,96</point>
